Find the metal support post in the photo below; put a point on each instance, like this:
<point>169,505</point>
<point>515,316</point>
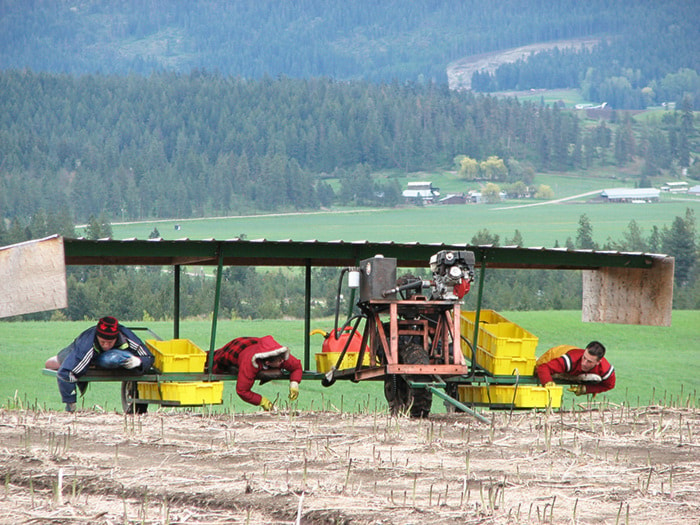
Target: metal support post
<point>217,298</point>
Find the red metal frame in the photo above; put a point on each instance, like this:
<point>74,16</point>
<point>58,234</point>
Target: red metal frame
<point>385,350</point>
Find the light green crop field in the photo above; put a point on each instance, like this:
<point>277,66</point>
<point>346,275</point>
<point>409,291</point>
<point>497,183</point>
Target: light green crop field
<point>570,97</point>
<point>542,224</point>
<point>654,365</point>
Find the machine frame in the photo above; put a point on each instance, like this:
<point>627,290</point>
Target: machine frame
<point>630,272</point>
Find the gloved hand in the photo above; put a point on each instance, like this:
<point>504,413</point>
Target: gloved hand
<point>549,384</point>
<point>132,362</point>
<point>579,390</point>
<point>266,404</point>
<point>293,390</point>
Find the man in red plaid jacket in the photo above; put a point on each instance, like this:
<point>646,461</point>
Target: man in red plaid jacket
<point>249,355</point>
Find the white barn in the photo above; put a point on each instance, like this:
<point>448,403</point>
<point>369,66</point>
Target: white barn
<point>630,194</point>
<point>421,190</point>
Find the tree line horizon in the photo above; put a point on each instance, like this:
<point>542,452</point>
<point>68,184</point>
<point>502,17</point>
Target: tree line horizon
<point>179,146</point>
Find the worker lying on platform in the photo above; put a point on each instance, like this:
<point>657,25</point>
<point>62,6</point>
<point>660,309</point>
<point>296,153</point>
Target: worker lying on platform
<point>587,367</point>
<point>247,356</point>
<point>106,345</point>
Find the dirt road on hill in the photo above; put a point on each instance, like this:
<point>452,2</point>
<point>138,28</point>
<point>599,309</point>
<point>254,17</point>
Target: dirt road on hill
<point>459,72</point>
<point>605,465</point>
<point>553,201</point>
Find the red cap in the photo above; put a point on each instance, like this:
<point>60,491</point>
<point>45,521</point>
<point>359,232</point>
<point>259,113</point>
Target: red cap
<point>107,328</point>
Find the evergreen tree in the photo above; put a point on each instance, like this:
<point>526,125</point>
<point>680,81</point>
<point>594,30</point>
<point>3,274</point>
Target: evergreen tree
<point>654,241</point>
<point>325,194</point>
<point>633,240</point>
<point>584,234</point>
<point>517,239</point>
<point>680,241</point>
<point>687,130</point>
<point>485,237</point>
<point>624,143</point>
<point>98,228</point>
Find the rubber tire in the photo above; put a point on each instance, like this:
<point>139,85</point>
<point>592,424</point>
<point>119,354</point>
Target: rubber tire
<point>130,394</point>
<point>452,390</point>
<point>403,399</point>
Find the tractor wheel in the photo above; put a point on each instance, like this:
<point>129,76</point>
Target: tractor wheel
<point>402,398</point>
<point>130,394</point>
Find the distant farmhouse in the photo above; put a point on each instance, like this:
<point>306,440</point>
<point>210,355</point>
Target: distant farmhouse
<point>637,195</point>
<point>476,197</point>
<point>695,190</point>
<point>675,187</point>
<point>453,198</point>
<point>421,190</point>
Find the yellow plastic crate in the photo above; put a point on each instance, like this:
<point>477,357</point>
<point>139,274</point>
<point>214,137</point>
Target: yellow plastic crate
<point>326,360</point>
<point>177,355</point>
<point>485,316</point>
<point>470,393</point>
<point>504,365</point>
<point>538,396</point>
<point>497,335</point>
<point>524,396</point>
<point>185,393</point>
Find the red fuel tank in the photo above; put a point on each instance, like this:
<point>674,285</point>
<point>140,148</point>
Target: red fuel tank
<point>336,340</point>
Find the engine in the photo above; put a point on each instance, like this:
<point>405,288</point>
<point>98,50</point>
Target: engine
<point>453,273</point>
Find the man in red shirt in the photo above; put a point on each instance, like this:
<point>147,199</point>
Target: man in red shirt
<point>247,356</point>
<point>585,366</point>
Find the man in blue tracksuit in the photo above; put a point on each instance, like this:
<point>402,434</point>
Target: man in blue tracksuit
<point>106,345</point>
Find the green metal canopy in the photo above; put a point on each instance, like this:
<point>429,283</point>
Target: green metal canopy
<point>619,287</point>
<point>622,294</point>
<point>263,252</point>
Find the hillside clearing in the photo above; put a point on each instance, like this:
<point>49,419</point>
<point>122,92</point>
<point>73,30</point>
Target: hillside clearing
<point>459,72</point>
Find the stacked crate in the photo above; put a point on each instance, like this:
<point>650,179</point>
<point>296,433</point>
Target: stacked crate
<point>180,355</point>
<point>503,349</point>
<point>505,396</point>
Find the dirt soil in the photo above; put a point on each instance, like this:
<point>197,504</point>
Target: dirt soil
<point>459,72</point>
<point>595,465</point>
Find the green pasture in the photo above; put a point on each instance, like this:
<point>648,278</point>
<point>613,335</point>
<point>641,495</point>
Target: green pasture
<point>540,225</point>
<point>570,97</point>
<point>655,365</point>
<point>563,183</point>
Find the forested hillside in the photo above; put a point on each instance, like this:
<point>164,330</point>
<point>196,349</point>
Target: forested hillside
<point>132,110</point>
<point>171,145</point>
<point>648,50</point>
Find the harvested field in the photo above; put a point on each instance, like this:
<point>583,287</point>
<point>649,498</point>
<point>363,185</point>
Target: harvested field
<point>598,464</point>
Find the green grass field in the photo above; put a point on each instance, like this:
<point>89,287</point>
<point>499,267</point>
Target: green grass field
<point>540,225</point>
<point>653,364</point>
<point>570,97</point>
